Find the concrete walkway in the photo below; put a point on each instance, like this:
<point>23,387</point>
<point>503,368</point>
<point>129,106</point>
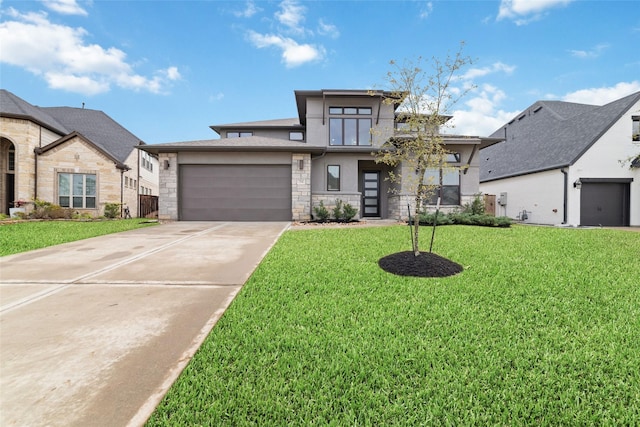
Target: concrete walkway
<point>94,332</point>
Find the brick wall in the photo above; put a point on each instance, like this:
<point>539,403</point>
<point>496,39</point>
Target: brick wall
<point>301,187</point>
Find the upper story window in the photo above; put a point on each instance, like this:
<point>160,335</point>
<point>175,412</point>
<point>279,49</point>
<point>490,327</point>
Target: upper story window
<point>296,136</point>
<point>238,134</point>
<point>635,128</point>
<point>147,161</point>
<point>11,161</point>
<point>348,127</point>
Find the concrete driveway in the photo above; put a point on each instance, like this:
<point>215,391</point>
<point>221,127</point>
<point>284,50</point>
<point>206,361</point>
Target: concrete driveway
<point>94,332</point>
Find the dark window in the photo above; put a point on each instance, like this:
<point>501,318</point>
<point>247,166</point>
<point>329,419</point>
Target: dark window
<point>349,131</point>
<point>353,130</point>
<point>296,136</point>
<point>11,161</point>
<point>77,190</point>
<point>635,128</point>
<point>333,178</point>
<point>447,184</point>
<point>238,134</point>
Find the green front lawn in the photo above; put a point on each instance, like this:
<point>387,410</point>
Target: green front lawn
<point>542,328</point>
<point>29,235</point>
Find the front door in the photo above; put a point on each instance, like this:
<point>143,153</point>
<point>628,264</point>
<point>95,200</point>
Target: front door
<point>371,193</point>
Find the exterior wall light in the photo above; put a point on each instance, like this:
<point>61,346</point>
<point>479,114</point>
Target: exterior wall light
<point>166,164</point>
<point>577,184</point>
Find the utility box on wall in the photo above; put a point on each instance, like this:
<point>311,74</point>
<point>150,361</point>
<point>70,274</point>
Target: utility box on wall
<point>502,200</point>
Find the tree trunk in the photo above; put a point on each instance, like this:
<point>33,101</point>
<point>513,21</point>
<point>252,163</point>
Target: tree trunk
<point>416,227</point>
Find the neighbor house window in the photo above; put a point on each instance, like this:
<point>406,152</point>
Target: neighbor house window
<point>333,178</point>
<point>349,129</point>
<point>296,136</point>
<point>447,184</point>
<point>11,161</point>
<point>76,190</point>
<point>238,134</point>
<point>635,128</point>
<point>147,162</point>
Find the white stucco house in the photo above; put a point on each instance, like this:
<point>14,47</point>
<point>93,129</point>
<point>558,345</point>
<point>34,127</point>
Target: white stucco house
<point>567,163</point>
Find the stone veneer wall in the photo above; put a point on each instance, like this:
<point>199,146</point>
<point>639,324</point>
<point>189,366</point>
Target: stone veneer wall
<point>329,200</point>
<point>168,200</point>
<point>301,187</point>
<point>398,206</point>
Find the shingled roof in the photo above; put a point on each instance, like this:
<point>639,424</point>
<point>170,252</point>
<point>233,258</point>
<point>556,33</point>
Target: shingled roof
<point>549,135</point>
<point>94,125</point>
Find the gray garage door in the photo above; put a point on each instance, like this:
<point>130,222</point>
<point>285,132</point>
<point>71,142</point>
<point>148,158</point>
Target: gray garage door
<point>235,192</point>
<point>604,203</point>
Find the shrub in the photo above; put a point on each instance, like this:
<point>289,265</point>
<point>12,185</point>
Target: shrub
<point>47,210</point>
<point>476,207</point>
<point>322,213</point>
<point>337,210</point>
<point>463,218</point>
<point>349,212</point>
<point>112,210</point>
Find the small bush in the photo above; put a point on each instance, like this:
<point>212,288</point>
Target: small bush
<point>349,212</point>
<point>463,218</point>
<point>47,210</point>
<point>476,207</point>
<point>322,213</point>
<point>112,210</point>
<point>337,210</point>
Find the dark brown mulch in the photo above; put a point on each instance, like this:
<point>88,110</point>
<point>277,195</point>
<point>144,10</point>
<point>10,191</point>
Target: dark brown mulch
<point>427,264</point>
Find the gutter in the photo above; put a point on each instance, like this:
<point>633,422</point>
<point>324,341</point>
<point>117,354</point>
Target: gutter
<point>565,195</point>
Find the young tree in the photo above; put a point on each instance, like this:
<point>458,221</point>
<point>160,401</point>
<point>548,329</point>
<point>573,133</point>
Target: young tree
<point>427,96</point>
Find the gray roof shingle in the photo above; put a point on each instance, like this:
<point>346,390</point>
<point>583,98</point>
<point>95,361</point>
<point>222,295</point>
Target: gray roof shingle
<point>94,125</point>
<point>99,128</point>
<point>549,135</point>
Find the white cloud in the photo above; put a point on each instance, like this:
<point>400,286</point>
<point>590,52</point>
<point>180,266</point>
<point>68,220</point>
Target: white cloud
<point>249,10</point>
<point>603,95</point>
<point>593,53</point>
<point>65,7</point>
<point>426,10</point>
<point>494,68</point>
<point>291,15</point>
<point>293,53</point>
<point>62,57</point>
<point>524,11</point>
<point>481,117</point>
<point>328,29</point>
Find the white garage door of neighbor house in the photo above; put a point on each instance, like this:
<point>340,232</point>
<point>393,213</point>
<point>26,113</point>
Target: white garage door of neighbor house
<point>235,192</point>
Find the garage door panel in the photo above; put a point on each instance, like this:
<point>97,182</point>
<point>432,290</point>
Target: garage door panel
<point>235,192</point>
<point>604,204</point>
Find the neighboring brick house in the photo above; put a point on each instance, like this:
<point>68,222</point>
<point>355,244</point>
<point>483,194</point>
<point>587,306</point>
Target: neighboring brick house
<point>568,163</point>
<point>73,157</point>
<point>282,169</point>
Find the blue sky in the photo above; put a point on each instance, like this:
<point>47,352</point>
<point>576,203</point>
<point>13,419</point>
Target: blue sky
<point>167,70</point>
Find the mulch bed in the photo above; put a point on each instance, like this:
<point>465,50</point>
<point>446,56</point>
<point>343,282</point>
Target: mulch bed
<point>427,264</point>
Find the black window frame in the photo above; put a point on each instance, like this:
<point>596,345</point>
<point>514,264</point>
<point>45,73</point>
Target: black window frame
<point>239,134</point>
<point>330,187</point>
<point>291,133</point>
<point>342,117</point>
<point>446,191</point>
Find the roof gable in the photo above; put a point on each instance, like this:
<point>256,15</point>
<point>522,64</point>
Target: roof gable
<point>98,128</point>
<point>14,106</point>
<point>549,135</point>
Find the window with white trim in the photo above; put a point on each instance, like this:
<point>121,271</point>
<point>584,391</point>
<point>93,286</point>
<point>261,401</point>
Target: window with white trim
<point>635,128</point>
<point>77,190</point>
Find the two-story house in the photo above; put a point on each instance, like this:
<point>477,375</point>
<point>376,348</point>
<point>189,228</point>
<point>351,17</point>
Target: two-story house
<point>568,163</point>
<point>73,157</point>
<point>281,169</point>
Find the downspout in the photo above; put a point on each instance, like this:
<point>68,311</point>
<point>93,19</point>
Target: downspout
<point>138,184</point>
<point>121,190</point>
<point>565,196</point>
